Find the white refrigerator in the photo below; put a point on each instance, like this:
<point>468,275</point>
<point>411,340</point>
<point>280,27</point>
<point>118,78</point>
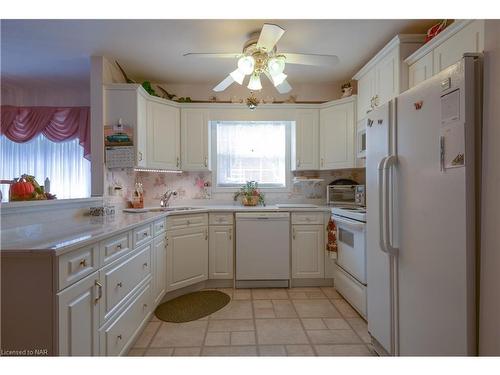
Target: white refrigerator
<point>422,176</point>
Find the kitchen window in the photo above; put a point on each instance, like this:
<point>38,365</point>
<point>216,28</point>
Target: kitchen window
<point>62,162</point>
<point>251,151</point>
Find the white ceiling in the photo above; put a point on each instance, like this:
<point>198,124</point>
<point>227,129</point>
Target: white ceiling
<point>59,50</point>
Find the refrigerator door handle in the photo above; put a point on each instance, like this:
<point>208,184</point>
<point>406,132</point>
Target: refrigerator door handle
<point>389,162</point>
<point>381,211</point>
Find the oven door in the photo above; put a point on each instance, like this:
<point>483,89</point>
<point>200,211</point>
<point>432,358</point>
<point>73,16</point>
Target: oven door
<point>351,247</point>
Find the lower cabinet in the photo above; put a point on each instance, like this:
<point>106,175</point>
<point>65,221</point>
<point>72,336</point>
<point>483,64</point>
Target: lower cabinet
<point>78,309</point>
<point>221,252</point>
<point>187,257</point>
<point>308,251</point>
<point>159,257</point>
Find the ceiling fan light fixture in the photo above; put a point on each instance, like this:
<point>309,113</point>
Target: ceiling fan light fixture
<point>246,64</point>
<point>254,83</point>
<point>276,65</point>
<point>238,76</point>
<point>278,79</point>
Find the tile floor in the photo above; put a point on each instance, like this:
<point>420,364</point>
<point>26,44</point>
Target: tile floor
<point>266,322</point>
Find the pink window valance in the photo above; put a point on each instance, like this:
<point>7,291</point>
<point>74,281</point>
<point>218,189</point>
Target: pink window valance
<point>21,124</point>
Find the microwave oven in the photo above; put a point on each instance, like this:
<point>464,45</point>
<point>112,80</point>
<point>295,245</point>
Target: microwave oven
<point>346,195</point>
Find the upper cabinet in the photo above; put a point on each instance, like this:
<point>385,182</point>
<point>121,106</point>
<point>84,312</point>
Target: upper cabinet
<point>385,75</point>
<point>337,126</point>
<point>305,138</point>
<point>445,49</point>
<point>194,139</point>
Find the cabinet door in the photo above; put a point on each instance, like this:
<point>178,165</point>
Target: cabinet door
<point>337,136</point>
<point>366,91</point>
<point>420,70</point>
<point>187,257</point>
<point>194,140</point>
<point>308,251</point>
<point>386,78</point>
<point>305,140</point>
<point>220,250</point>
<point>163,136</point>
<point>142,131</point>
<point>78,309</point>
<point>159,268</point>
<point>469,39</point>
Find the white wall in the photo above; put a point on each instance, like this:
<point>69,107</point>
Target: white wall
<point>489,315</point>
<point>27,93</point>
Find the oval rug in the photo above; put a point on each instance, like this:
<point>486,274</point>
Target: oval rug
<point>192,306</point>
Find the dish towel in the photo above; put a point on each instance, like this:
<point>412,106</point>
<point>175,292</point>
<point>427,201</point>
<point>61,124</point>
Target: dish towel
<point>332,236</point>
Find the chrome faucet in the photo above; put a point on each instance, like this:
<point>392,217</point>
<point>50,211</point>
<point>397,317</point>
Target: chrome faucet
<point>165,197</point>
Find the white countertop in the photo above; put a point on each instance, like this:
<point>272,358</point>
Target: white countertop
<point>61,236</point>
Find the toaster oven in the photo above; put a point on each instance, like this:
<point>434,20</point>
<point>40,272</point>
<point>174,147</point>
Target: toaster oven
<point>345,195</point>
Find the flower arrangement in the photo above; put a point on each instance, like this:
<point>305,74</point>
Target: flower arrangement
<point>250,194</point>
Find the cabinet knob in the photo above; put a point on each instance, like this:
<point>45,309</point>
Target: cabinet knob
<point>178,164</point>
<point>119,337</point>
<point>119,285</point>
<point>145,305</point>
<point>140,156</point>
<point>145,264</point>
<point>206,162</point>
<point>145,234</point>
<point>119,246</point>
<point>83,263</point>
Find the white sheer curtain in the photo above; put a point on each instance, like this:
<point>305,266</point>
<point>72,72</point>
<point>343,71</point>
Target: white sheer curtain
<point>63,163</point>
<point>251,150</point>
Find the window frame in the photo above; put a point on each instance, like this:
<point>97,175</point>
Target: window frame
<point>265,188</point>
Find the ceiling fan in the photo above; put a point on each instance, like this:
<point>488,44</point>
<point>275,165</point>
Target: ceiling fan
<point>260,56</point>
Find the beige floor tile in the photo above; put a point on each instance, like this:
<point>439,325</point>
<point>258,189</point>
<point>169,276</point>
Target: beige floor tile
<point>306,289</point>
<point>280,331</point>
<point>146,335</point>
<point>180,334</point>
<point>234,310</point>
<point>339,336</point>
<point>342,350</point>
<point>231,325</point>
<point>159,352</point>
<point>293,294</point>
<point>272,350</point>
<point>300,350</point>
<point>315,294</point>
<point>345,309</point>
<point>217,339</point>
<point>230,351</point>
<point>330,292</point>
<point>361,328</point>
<point>242,294</point>
<point>154,318</point>
<point>186,352</point>
<point>336,323</point>
<point>263,309</point>
<point>136,352</point>
<point>313,323</point>
<point>262,304</point>
<point>269,294</point>
<point>243,338</point>
<point>315,308</point>
<point>284,309</point>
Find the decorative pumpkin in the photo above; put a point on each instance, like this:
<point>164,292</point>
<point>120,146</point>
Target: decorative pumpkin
<point>21,190</point>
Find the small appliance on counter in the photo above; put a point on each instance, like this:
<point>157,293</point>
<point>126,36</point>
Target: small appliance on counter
<point>345,192</point>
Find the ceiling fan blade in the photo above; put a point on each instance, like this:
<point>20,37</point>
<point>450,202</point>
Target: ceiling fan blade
<point>284,87</point>
<point>213,55</point>
<point>228,81</point>
<point>269,36</point>
<point>310,59</point>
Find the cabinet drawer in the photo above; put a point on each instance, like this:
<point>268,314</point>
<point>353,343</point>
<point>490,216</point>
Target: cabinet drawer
<point>114,247</point>
<point>121,277</point>
<point>142,235</point>
<point>159,227</point>
<point>351,290</point>
<point>75,265</point>
<point>116,336</point>
<point>307,217</point>
<point>186,221</point>
<point>219,218</point>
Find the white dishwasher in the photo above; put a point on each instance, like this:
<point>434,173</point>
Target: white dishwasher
<point>262,249</point>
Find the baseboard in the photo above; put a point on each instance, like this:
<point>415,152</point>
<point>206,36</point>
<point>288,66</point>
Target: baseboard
<point>262,284</point>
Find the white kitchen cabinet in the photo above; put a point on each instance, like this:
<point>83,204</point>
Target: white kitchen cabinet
<point>160,268</point>
<point>305,140</point>
<point>187,257</point>
<point>220,251</point>
<point>194,140</point>
<point>337,136</point>
<point>163,136</point>
<point>78,311</point>
<point>386,78</point>
<point>366,92</point>
<point>308,251</point>
<point>420,70</point>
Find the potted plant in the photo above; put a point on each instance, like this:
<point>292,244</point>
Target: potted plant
<point>250,194</point>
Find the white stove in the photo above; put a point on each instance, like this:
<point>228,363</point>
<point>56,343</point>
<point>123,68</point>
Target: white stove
<point>355,213</point>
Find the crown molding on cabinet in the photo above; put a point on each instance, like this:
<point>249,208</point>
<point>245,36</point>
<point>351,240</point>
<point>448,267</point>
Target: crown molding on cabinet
<point>451,30</point>
<point>398,39</point>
